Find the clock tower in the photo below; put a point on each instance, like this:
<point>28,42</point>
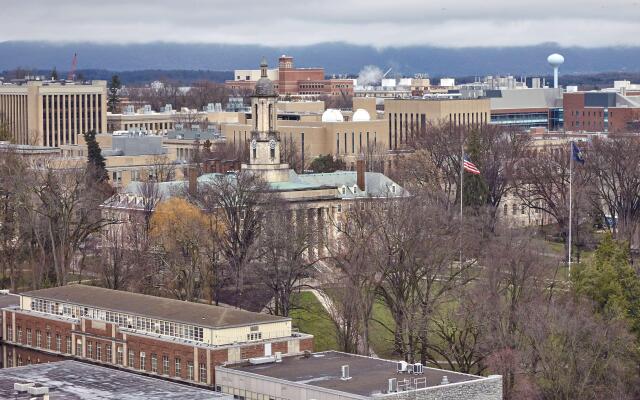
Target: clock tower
<point>264,149</point>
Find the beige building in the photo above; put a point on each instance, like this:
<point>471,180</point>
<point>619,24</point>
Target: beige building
<point>405,116</point>
<point>160,123</point>
<point>52,114</point>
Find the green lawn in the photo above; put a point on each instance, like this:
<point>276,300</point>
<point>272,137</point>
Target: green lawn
<point>381,338</point>
<point>310,317</point>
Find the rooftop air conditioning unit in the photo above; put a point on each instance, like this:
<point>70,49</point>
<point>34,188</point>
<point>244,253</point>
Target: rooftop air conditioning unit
<point>410,368</point>
<point>402,366</point>
<point>345,373</point>
<point>38,390</point>
<point>417,368</point>
<point>393,385</point>
<point>22,387</point>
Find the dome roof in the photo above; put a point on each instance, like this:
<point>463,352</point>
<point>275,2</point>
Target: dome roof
<point>264,88</point>
<point>332,115</point>
<point>361,115</point>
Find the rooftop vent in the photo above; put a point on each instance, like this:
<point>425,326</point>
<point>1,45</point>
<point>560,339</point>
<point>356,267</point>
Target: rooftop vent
<point>22,387</point>
<point>417,368</point>
<point>393,385</point>
<point>444,381</point>
<point>345,373</point>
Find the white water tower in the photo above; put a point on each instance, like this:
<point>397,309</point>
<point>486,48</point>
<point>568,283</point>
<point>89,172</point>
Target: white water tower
<point>555,60</point>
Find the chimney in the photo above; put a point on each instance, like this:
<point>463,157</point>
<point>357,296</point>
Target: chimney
<point>360,173</point>
<point>193,181</point>
<point>228,165</point>
<point>216,166</point>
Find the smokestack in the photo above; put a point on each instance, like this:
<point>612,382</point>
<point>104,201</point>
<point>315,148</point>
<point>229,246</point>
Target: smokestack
<point>360,174</point>
<point>193,181</point>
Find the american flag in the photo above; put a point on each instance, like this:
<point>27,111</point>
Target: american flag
<point>470,167</point>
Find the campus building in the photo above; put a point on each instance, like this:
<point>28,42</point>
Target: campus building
<point>151,335</point>
<point>406,116</point>
<point>333,375</point>
<point>52,113</point>
<point>601,111</point>
<point>527,108</point>
<point>291,81</point>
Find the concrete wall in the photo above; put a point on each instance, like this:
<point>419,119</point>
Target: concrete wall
<point>485,389</point>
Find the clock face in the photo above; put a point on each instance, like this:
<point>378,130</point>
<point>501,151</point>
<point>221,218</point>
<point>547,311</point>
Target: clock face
<point>272,144</point>
<point>254,144</point>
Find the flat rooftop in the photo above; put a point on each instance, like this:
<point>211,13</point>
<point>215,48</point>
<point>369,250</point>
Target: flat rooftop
<point>8,300</point>
<point>155,307</point>
<point>368,374</point>
<point>73,380</point>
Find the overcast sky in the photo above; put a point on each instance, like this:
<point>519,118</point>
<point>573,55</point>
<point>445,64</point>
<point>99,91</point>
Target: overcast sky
<point>454,23</point>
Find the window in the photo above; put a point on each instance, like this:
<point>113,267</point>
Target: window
<point>68,349</point>
<point>107,349</point>
<point>522,209</point>
<point>203,373</point>
<point>29,336</point>
<point>254,336</point>
<point>505,209</point>
<point>178,370</point>
<point>89,349</point>
<point>142,360</point>
<point>165,364</point>
<point>514,209</point>
<point>9,333</point>
<point>79,348</point>
<point>98,351</point>
<point>19,360</point>
<point>130,362</point>
<point>190,370</point>
<point>119,355</point>
<point>58,343</point>
<point>49,340</point>
<point>154,363</point>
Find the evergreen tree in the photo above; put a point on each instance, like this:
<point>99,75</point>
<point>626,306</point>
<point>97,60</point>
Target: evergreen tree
<point>95,160</point>
<point>54,74</point>
<point>113,99</point>
<point>476,191</point>
<point>611,282</point>
<point>327,163</point>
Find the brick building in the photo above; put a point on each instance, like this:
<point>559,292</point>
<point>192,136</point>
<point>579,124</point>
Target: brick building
<point>601,112</point>
<point>157,336</point>
<point>291,81</point>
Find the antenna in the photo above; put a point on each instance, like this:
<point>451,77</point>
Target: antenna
<point>555,60</point>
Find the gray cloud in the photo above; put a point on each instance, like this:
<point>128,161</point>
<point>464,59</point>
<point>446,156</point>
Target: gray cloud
<point>459,23</point>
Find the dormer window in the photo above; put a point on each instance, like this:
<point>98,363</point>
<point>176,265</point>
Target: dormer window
<point>393,188</point>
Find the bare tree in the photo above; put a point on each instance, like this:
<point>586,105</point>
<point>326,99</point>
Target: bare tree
<point>237,200</point>
<point>613,168</point>
<point>543,184</point>
<point>287,253</point>
<point>67,201</point>
<point>162,169</point>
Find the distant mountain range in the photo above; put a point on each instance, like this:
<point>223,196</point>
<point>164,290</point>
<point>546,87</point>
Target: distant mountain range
<point>336,58</point>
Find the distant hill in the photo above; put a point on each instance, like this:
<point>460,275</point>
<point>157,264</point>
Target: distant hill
<point>336,58</point>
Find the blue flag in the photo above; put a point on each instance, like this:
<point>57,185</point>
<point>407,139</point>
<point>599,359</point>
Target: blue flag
<point>577,153</point>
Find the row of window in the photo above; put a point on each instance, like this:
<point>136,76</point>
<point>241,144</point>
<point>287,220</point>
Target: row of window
<point>514,209</point>
<point>177,330</point>
<point>48,339</point>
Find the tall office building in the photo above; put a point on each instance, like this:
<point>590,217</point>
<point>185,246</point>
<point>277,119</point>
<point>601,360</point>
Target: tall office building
<point>53,113</point>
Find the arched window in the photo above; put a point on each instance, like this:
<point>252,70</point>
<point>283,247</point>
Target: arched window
<point>256,114</point>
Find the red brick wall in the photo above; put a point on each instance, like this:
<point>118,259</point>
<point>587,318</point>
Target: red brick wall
<point>255,350</point>
<point>35,356</point>
<point>306,344</point>
<point>282,347</point>
<point>160,348</point>
<point>620,117</point>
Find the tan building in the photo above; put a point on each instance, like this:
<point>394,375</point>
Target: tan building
<point>52,114</point>
<point>405,116</point>
<point>159,123</point>
<point>130,157</point>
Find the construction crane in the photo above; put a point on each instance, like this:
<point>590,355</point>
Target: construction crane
<point>74,64</point>
<point>386,73</point>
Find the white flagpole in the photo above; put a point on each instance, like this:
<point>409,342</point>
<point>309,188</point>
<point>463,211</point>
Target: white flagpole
<point>461,189</point>
<point>570,203</point>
